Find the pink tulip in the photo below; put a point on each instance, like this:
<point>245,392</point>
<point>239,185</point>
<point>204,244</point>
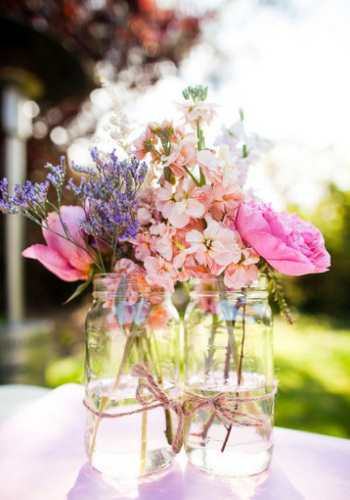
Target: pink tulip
<point>62,258</point>
<point>288,244</point>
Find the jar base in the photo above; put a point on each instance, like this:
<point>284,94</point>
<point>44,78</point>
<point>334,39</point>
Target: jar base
<point>229,464</point>
<point>127,465</point>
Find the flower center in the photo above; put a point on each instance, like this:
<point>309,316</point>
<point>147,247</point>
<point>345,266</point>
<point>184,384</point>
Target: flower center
<point>208,244</point>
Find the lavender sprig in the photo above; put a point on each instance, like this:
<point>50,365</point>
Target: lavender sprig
<point>109,197</point>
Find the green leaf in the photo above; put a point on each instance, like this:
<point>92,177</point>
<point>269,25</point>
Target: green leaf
<point>81,287</point>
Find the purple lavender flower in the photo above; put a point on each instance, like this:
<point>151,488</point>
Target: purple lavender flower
<point>109,197</point>
<point>57,174</point>
<point>27,198</point>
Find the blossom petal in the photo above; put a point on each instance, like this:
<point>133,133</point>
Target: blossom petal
<point>54,262</point>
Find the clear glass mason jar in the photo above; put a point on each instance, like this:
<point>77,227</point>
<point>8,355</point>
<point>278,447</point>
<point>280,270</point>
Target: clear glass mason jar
<point>229,379</point>
<point>127,325</point>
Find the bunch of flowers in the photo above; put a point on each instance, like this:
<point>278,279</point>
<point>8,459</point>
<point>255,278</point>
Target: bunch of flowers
<point>192,216</point>
<point>200,221</point>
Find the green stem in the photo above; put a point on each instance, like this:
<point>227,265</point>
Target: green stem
<point>209,360</point>
<point>105,400</point>
<point>192,176</point>
<point>168,422</point>
<point>231,347</point>
<point>239,375</point>
<point>201,146</point>
<point>143,443</point>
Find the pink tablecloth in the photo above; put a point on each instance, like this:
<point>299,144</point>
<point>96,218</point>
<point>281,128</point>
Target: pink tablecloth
<point>42,458</point>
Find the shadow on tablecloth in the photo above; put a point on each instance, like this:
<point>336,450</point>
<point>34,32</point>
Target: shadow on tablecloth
<point>173,484</point>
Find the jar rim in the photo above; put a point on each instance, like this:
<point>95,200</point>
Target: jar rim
<point>109,283</point>
<point>259,285</point>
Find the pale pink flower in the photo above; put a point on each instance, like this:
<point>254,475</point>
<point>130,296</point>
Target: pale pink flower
<point>164,241</point>
<point>215,247</point>
<point>226,197</point>
<point>61,257</point>
<point>182,153</point>
<point>199,110</point>
<point>160,273</point>
<point>244,272</point>
<point>142,245</point>
<point>178,207</point>
<point>214,166</point>
<point>188,267</point>
<point>145,144</point>
<point>136,274</point>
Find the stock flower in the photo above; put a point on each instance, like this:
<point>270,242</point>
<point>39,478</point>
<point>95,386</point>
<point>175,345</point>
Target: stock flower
<point>183,153</point>
<point>145,144</point>
<point>160,273</point>
<point>226,196</point>
<point>198,110</point>
<point>216,246</point>
<point>247,149</point>
<point>214,166</point>
<point>187,201</point>
<point>244,272</point>
<point>287,243</point>
<point>61,257</point>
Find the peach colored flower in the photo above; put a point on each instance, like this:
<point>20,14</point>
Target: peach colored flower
<point>215,247</point>
<point>214,166</point>
<point>145,144</point>
<point>182,153</point>
<point>186,202</point>
<point>158,317</point>
<point>160,273</point>
<point>226,197</point>
<point>199,110</point>
<point>164,244</point>
<point>243,273</point>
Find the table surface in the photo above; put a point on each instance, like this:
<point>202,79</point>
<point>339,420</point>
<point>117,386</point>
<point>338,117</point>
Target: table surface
<point>42,458</point>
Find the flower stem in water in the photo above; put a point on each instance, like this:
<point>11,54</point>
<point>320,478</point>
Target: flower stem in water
<point>105,400</point>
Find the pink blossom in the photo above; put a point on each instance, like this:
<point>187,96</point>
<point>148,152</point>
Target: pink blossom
<point>243,273</point>
<point>145,144</point>
<point>189,268</point>
<point>199,110</point>
<point>183,153</point>
<point>164,244</point>
<point>226,197</point>
<point>61,257</point>
<point>215,247</point>
<point>214,166</point>
<point>135,282</point>
<point>290,245</point>
<point>160,273</point>
<point>186,202</point>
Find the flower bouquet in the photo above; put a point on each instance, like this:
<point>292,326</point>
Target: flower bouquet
<point>140,230</point>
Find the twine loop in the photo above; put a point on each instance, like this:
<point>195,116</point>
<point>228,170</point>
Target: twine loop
<point>221,406</point>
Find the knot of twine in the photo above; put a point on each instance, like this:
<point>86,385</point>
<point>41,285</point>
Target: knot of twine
<point>156,398</point>
<point>221,406</point>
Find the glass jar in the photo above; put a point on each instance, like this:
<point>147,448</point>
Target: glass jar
<point>229,379</point>
<point>130,325</point>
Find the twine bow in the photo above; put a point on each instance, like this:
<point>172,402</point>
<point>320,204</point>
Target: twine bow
<point>156,398</point>
<point>221,406</point>
<point>157,394</point>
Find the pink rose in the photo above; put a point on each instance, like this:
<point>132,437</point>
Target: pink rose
<point>290,245</point>
<point>62,258</point>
